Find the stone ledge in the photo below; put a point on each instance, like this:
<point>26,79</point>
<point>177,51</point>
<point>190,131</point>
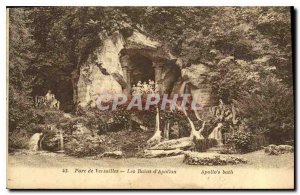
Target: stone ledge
<point>160,153</point>
<point>185,143</point>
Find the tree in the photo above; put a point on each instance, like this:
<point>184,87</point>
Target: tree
<point>241,45</point>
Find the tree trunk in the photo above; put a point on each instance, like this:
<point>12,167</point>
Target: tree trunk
<point>156,138</point>
<point>194,133</point>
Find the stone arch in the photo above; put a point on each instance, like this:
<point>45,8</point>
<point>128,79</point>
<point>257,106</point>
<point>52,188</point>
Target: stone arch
<point>151,65</point>
<point>142,69</point>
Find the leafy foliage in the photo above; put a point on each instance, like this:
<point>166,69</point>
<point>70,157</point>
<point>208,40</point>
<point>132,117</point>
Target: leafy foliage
<point>201,145</point>
<point>21,112</point>
<point>269,110</point>
<point>105,121</point>
<point>87,145</point>
<point>194,158</point>
<point>241,141</point>
<point>17,140</point>
<point>248,49</point>
<point>50,140</point>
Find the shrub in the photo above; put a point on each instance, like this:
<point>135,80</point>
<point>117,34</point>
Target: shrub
<point>85,145</point>
<point>51,139</point>
<point>240,141</point>
<point>122,140</point>
<point>130,149</point>
<point>194,158</point>
<point>227,150</point>
<point>22,112</point>
<point>69,125</point>
<point>23,119</point>
<point>105,121</point>
<point>202,145</point>
<point>52,116</point>
<point>269,110</point>
<point>258,141</point>
<point>17,140</point>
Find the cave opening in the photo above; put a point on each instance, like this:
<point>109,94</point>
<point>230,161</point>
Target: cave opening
<point>142,69</point>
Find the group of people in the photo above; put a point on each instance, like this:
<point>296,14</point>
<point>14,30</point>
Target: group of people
<point>48,100</point>
<point>145,88</point>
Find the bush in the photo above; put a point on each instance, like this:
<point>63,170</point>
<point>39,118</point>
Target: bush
<point>259,141</point>
<point>269,110</point>
<point>105,121</point>
<point>240,141</point>
<point>51,139</point>
<point>21,112</point>
<point>227,150</point>
<point>202,145</point>
<point>85,145</point>
<point>69,125</point>
<point>23,119</point>
<point>194,158</point>
<point>52,116</point>
<point>17,140</point>
<point>130,149</point>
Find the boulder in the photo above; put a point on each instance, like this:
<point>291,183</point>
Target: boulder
<point>115,154</point>
<point>97,74</point>
<point>160,153</point>
<point>286,148</point>
<point>67,115</point>
<point>198,78</point>
<point>280,149</point>
<point>185,143</point>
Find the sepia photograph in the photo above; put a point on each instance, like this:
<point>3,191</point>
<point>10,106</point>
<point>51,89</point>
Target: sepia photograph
<point>151,97</point>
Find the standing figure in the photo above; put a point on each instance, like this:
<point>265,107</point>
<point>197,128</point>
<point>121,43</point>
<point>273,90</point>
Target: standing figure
<point>145,88</point>
<point>48,98</point>
<point>139,88</point>
<point>151,87</point>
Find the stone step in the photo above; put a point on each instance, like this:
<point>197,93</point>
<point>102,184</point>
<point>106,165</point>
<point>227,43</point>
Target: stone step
<point>160,153</point>
<point>182,144</point>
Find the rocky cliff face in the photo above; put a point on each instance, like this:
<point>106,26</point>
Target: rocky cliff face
<point>198,83</point>
<point>102,73</point>
<point>96,76</point>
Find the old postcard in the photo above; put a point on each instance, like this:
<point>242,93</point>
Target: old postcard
<point>150,98</point>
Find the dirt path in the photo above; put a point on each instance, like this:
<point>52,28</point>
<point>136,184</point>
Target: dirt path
<point>255,159</point>
<point>46,171</point>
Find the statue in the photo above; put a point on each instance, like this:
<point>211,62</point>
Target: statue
<point>48,98</point>
<point>134,89</point>
<point>151,86</point>
<point>54,103</point>
<point>139,88</point>
<point>144,88</point>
